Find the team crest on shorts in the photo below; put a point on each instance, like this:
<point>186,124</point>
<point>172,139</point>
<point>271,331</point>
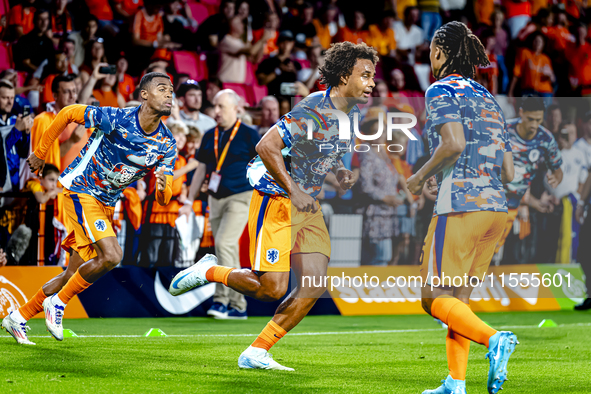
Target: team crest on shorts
<point>272,255</point>
<point>151,158</point>
<point>100,225</point>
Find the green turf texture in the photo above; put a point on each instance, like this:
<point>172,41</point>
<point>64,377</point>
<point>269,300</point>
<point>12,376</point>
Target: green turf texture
<point>548,360</point>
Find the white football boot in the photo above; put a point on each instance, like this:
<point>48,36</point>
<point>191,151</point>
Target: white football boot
<point>54,315</point>
<point>192,277</point>
<point>257,358</point>
<point>17,330</point>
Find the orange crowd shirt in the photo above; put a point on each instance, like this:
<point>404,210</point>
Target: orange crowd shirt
<point>106,99</point>
<point>126,87</point>
<point>356,37</point>
<point>57,26</point>
<point>483,10</point>
<point>271,45</point>
<point>22,16</point>
<point>101,9</point>
<point>147,27</point>
<point>580,65</point>
<point>382,41</point>
<point>488,72</point>
<point>130,6</point>
<point>529,67</point>
<point>323,33</point>
<point>514,8</point>
<point>40,124</point>
<point>559,38</point>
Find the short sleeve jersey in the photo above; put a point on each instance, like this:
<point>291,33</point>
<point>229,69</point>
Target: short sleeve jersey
<point>309,154</point>
<point>473,183</point>
<point>117,154</point>
<point>527,157</point>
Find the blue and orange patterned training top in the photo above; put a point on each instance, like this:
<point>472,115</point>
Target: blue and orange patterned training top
<point>308,156</point>
<point>117,154</point>
<point>474,182</point>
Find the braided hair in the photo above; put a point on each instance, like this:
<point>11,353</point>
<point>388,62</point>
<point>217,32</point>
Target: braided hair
<point>463,50</point>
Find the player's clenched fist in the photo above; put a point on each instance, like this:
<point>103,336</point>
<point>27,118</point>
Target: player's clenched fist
<point>345,178</point>
<point>36,164</point>
<point>415,184</point>
<point>160,179</point>
<point>302,201</point>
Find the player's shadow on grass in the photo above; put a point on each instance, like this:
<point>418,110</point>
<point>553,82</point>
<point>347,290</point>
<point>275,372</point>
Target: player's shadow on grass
<point>65,359</point>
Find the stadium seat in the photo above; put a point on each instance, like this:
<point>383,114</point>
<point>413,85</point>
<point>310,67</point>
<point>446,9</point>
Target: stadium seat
<point>213,6</point>
<point>191,63</point>
<point>379,71</point>
<point>241,89</point>
<point>199,12</point>
<point>258,92</point>
<point>250,74</point>
<point>22,77</point>
<point>5,56</point>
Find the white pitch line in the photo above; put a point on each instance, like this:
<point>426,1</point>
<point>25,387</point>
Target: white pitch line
<point>300,333</point>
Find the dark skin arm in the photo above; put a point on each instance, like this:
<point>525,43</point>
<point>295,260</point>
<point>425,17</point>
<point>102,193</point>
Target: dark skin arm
<point>447,153</point>
<point>507,171</point>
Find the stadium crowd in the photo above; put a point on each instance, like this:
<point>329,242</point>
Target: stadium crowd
<point>55,53</point>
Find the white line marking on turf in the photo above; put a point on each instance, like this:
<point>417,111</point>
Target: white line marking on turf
<point>300,333</point>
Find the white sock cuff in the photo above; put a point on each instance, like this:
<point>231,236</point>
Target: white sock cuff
<point>17,317</point>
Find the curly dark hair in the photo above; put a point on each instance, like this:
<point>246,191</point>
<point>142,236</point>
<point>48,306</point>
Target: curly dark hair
<point>341,58</point>
<point>463,49</point>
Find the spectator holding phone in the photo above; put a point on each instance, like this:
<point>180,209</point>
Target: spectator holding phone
<point>103,85</point>
<point>93,55</point>
<point>16,142</point>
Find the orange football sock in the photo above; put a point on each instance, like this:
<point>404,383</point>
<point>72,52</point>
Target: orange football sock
<point>460,319</point>
<point>33,306</point>
<point>457,348</point>
<point>218,274</point>
<point>75,285</point>
<point>269,336</point>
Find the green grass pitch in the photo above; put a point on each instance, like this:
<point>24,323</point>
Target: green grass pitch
<point>331,354</point>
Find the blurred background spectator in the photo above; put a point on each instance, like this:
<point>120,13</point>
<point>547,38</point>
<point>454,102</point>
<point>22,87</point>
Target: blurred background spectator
<point>190,99</point>
<point>269,114</point>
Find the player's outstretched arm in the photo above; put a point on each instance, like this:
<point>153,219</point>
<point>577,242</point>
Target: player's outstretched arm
<point>447,153</point>
<point>69,114</point>
<point>507,171</point>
